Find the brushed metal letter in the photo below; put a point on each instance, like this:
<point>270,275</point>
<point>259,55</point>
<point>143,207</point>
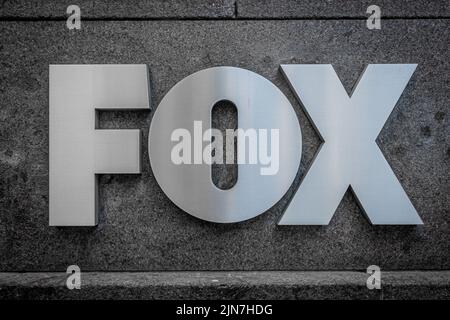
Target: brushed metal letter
<point>349,155</point>
<point>77,150</point>
<point>260,105</point>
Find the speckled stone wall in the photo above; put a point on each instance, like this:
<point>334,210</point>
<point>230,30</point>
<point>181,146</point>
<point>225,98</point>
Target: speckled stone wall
<point>140,228</point>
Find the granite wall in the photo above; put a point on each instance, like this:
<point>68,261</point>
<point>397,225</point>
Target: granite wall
<point>140,228</point>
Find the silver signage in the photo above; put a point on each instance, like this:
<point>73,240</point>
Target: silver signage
<point>348,158</point>
<point>260,105</point>
<point>349,155</point>
<point>78,152</point>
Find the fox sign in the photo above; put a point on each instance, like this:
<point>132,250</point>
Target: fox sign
<point>183,145</point>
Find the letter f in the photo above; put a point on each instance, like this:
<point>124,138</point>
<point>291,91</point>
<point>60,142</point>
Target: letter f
<point>77,151</point>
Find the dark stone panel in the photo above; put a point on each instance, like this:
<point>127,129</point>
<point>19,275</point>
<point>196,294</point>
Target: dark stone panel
<point>141,229</point>
<point>224,116</point>
<point>226,285</point>
<point>119,9</point>
<point>340,8</point>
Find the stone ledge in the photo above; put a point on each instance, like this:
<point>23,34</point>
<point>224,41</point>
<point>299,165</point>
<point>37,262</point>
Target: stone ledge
<point>227,285</point>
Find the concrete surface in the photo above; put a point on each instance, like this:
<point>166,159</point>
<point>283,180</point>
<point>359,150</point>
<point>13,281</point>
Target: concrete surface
<point>227,285</point>
<point>141,229</point>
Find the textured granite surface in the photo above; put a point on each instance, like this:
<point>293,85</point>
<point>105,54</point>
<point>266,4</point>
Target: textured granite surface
<point>227,285</point>
<point>340,8</point>
<point>223,8</point>
<point>140,229</point>
<point>38,9</point>
<point>224,116</point>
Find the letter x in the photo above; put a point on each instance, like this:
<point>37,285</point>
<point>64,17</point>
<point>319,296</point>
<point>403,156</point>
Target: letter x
<point>349,155</point>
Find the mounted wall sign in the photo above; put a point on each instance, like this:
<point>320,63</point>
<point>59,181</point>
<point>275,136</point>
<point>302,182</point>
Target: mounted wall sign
<point>268,137</point>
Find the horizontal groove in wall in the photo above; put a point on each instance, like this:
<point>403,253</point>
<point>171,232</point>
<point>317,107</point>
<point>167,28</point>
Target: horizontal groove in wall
<point>32,19</point>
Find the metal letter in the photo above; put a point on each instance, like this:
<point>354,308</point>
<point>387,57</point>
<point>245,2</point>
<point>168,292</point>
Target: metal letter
<point>349,155</point>
<point>77,151</point>
<point>260,105</point>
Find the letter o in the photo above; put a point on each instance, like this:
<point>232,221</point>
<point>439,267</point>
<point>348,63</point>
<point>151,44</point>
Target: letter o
<point>260,105</point>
